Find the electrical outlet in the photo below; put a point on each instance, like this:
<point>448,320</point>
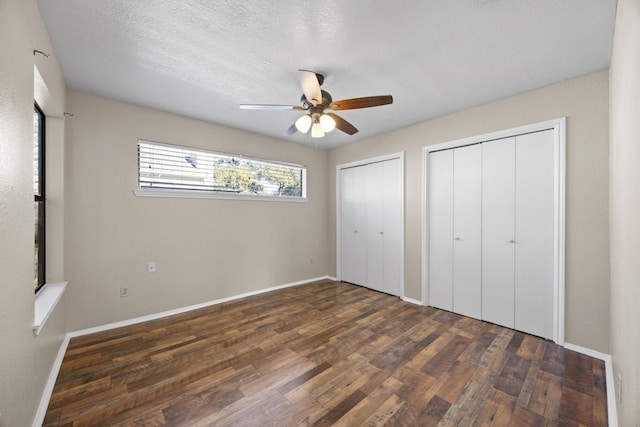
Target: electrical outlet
<point>151,267</point>
<point>124,292</point>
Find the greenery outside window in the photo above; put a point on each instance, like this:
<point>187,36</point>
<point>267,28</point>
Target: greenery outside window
<point>39,196</point>
<point>163,167</point>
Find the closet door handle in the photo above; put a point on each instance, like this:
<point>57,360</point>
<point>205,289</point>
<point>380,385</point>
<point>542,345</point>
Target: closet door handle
<point>382,232</point>
<point>457,238</point>
<point>355,231</point>
<point>511,241</point>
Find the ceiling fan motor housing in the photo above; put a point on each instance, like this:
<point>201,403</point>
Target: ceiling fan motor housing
<point>326,100</point>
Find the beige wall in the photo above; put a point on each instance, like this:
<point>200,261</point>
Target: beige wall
<point>584,101</point>
<point>625,210</point>
<point>25,360</point>
<point>205,249</point>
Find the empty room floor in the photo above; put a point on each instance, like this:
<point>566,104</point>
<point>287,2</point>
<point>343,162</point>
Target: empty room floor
<point>325,353</point>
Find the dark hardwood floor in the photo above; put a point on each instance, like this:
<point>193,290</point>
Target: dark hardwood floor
<point>322,354</point>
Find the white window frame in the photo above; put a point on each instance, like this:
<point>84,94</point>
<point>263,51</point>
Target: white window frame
<point>213,194</point>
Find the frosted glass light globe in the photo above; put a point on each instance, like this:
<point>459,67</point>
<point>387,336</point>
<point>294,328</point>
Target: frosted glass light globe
<point>316,130</point>
<point>327,123</point>
<point>303,123</point>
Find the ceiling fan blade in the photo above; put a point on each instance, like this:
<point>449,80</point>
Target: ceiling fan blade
<point>269,107</point>
<point>310,86</point>
<point>292,129</point>
<point>342,124</point>
<point>367,101</point>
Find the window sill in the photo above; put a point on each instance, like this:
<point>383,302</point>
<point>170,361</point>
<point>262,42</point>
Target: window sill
<point>45,301</point>
<point>194,194</point>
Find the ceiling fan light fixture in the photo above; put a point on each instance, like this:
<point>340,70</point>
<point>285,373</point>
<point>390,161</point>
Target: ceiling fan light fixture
<point>303,123</point>
<point>315,102</point>
<point>327,123</point>
<point>316,130</point>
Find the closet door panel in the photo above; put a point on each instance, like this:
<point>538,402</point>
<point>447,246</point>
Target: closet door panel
<point>360,249</point>
<point>498,222</point>
<point>467,230</point>
<point>347,225</point>
<point>441,229</point>
<point>353,219</point>
<point>393,225</point>
<point>375,225</point>
<point>534,248</point>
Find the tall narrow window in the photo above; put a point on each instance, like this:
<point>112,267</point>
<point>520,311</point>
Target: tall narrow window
<point>39,197</point>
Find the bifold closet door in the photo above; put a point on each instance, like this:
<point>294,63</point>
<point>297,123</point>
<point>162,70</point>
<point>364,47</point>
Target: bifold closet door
<point>353,241</point>
<point>467,230</point>
<point>498,231</point>
<point>492,231</point>
<point>441,229</point>
<point>393,222</point>
<point>375,224</point>
<point>455,231</point>
<point>371,225</point>
<point>535,229</point>
<point>384,225</point>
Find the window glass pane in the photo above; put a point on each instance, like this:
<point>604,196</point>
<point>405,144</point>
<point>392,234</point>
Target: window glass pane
<point>39,245</point>
<point>36,152</point>
<point>163,166</point>
<point>39,198</point>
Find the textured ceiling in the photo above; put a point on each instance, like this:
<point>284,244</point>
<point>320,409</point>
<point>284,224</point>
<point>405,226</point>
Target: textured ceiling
<point>203,58</point>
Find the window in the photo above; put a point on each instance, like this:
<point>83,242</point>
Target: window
<point>181,169</point>
<point>39,197</point>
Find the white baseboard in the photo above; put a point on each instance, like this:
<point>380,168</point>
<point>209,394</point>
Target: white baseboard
<point>411,300</point>
<point>586,351</point>
<point>51,382</point>
<point>612,408</point>
<point>55,369</point>
<point>167,313</point>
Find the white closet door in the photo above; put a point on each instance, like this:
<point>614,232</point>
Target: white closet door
<point>375,225</point>
<point>393,223</point>
<point>360,248</point>
<point>371,225</point>
<point>353,218</point>
<point>467,230</point>
<point>498,232</point>
<point>441,229</point>
<point>347,224</point>
<point>534,247</point>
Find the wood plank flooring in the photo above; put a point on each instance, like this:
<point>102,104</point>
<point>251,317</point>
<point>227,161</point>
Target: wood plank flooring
<point>325,353</point>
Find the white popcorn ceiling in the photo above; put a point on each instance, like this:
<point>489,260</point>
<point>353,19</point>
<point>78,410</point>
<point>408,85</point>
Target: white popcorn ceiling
<point>203,58</point>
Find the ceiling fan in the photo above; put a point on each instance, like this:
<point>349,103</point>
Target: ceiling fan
<point>320,106</point>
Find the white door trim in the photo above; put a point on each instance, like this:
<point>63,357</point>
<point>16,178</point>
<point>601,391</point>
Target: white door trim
<point>398,155</point>
<point>559,128</point>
